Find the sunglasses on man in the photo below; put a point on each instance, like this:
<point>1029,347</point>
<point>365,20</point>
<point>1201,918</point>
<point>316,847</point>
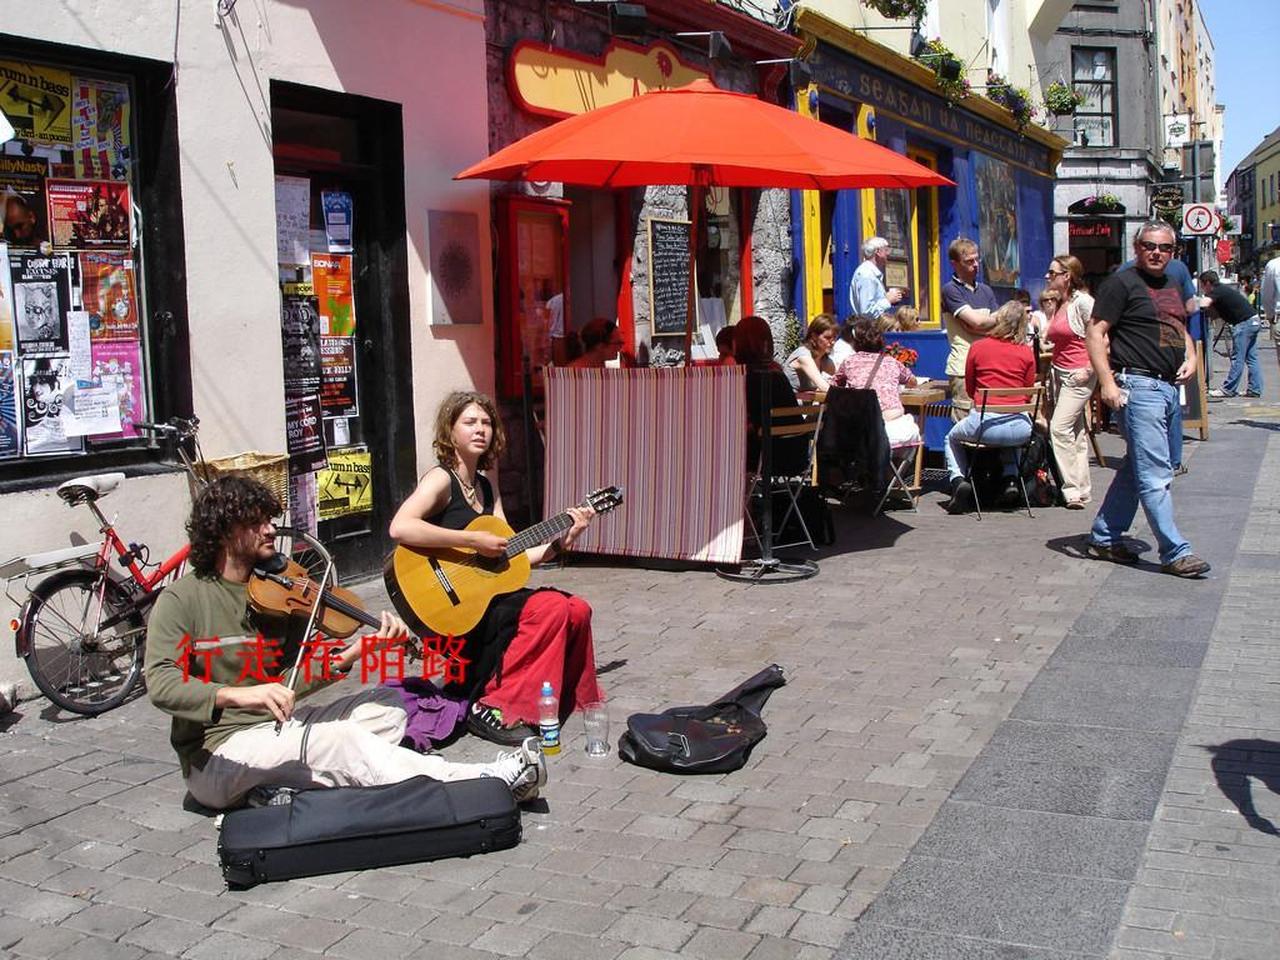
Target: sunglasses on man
<point>1150,247</point>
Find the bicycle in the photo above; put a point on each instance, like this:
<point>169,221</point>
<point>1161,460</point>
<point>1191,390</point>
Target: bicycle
<point>81,628</point>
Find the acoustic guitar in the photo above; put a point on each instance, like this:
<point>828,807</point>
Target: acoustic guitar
<point>445,591</point>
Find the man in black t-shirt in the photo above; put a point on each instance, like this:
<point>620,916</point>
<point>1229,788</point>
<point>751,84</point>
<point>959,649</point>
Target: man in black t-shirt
<point>1139,347</point>
<point>1234,308</point>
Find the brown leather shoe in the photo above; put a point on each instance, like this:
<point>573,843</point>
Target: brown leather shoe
<point>1115,552</point>
<point>1188,565</point>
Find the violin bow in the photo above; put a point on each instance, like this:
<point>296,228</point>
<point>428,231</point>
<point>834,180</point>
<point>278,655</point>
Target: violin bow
<point>306,636</point>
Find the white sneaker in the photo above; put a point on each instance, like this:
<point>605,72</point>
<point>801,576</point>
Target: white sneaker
<point>524,770</point>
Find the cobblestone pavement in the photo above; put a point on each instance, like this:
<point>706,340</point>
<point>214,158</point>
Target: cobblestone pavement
<point>904,657</point>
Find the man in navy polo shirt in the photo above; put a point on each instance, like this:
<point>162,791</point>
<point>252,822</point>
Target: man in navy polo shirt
<point>968,308</point>
<point>1140,349</point>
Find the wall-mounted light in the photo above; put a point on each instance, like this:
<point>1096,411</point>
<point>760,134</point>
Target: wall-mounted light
<point>628,20</point>
<point>798,71</point>
<point>717,43</point>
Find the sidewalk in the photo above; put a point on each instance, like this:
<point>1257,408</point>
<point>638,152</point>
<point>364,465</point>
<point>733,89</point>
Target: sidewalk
<point>893,762</point>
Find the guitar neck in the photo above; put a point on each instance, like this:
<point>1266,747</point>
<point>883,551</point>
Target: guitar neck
<point>542,532</point>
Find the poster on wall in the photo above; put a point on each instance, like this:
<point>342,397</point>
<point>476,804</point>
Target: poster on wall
<point>454,241</point>
<point>302,502</point>
<point>117,367</point>
<point>41,297</point>
<point>100,139</point>
<point>88,213</point>
<point>335,299</point>
<point>22,187</point>
<point>300,337</point>
<point>6,301</point>
<point>304,433</point>
<point>10,428</point>
<point>338,377</point>
<point>345,486</point>
<point>339,219</point>
<point>108,294</point>
<point>293,219</point>
<point>997,220</point>
<point>48,391</point>
<point>37,102</point>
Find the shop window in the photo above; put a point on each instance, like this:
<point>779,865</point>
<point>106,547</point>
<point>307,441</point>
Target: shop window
<point>84,196</point>
<point>719,287</point>
<point>1093,73</point>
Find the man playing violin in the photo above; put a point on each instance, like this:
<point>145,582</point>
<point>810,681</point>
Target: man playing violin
<point>236,729</point>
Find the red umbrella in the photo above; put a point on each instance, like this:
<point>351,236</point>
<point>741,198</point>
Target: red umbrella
<point>704,136</point>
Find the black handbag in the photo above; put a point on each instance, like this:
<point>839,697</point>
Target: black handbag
<point>716,738</point>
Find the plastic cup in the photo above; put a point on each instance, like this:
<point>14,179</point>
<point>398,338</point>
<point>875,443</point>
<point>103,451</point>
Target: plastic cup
<point>595,717</point>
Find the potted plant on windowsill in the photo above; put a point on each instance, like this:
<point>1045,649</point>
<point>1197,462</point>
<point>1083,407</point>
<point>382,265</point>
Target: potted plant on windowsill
<point>1061,100</point>
<point>899,9</point>
<point>948,69</point>
<point>1102,203</point>
<point>1017,100</point>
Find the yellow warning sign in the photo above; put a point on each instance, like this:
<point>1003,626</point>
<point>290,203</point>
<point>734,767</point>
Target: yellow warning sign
<point>345,487</point>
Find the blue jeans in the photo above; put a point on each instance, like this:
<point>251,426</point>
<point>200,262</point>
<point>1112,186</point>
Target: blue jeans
<point>997,429</point>
<point>1146,473</point>
<point>1245,335</point>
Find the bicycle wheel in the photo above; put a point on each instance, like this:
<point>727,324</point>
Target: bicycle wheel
<point>306,550</point>
<point>75,664</point>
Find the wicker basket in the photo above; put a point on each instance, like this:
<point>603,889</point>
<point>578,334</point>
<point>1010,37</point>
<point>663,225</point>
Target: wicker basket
<point>269,469</point>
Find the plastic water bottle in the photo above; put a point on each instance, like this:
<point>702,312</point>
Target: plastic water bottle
<point>549,718</point>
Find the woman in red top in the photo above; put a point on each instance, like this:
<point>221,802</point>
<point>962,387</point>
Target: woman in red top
<point>1001,359</point>
<point>526,637</point>
<point>1073,377</point>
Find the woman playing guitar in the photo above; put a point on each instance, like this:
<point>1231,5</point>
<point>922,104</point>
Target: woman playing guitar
<point>525,637</point>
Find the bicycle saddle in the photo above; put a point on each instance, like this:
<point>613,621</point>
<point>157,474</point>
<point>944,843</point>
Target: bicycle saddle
<point>88,489</point>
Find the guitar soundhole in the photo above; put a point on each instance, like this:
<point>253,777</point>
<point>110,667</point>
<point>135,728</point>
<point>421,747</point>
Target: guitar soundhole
<point>492,564</point>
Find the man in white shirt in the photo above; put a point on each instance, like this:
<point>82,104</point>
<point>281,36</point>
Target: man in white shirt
<point>867,294</point>
<point>1269,304</point>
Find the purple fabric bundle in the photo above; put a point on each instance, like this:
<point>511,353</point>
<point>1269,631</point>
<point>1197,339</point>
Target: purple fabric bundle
<point>433,717</point>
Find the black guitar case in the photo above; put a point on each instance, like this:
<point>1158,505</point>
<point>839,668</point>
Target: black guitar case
<point>328,830</point>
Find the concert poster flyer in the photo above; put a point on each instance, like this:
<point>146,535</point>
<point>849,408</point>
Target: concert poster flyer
<point>22,181</point>
<point>41,298</point>
<point>100,129</point>
<point>37,101</point>
<point>117,364</point>
<point>48,391</point>
<point>300,335</point>
<point>10,428</point>
<point>304,434</point>
<point>6,301</point>
<point>338,377</point>
<point>331,279</point>
<point>88,213</point>
<point>345,486</point>
<point>107,287</point>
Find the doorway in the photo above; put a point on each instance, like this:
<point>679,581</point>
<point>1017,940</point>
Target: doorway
<point>352,147</point>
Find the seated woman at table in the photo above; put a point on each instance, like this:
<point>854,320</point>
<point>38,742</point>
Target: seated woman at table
<point>902,320</point>
<point>809,365</point>
<point>766,383</point>
<point>1072,380</point>
<point>1001,359</point>
<point>870,368</point>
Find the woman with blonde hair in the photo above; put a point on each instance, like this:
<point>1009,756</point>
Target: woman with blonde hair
<point>809,366</point>
<point>1072,378</point>
<point>1001,359</point>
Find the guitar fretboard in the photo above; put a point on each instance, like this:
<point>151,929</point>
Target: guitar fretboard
<point>548,529</point>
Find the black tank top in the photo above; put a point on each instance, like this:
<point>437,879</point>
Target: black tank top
<point>458,512</point>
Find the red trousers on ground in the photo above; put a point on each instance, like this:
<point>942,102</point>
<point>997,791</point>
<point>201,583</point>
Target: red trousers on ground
<point>552,642</point>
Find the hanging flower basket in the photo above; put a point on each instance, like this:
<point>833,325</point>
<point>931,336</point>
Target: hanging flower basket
<point>1102,203</point>
<point>1017,100</point>
<point>899,9</point>
<point>1061,100</point>
<point>948,69</point>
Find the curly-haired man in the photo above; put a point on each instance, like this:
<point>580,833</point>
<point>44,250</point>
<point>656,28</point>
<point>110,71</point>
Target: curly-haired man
<point>236,729</point>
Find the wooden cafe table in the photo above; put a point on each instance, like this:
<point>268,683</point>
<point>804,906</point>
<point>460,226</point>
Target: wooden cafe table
<point>916,400</point>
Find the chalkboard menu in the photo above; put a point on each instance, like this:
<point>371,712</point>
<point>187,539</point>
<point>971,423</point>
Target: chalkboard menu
<point>669,268</point>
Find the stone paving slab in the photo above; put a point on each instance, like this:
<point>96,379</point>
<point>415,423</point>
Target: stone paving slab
<point>904,657</point>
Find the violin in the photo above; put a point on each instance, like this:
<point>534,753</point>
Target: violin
<point>281,587</point>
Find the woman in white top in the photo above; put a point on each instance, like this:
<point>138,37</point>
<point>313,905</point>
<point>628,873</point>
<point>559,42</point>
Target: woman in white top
<point>809,366</point>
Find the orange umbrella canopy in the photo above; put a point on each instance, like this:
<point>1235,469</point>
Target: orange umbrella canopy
<point>705,136</point>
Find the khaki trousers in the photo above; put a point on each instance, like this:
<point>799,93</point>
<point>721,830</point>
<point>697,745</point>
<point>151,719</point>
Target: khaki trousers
<point>353,741</point>
<point>1068,429</point>
<point>961,402</point>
